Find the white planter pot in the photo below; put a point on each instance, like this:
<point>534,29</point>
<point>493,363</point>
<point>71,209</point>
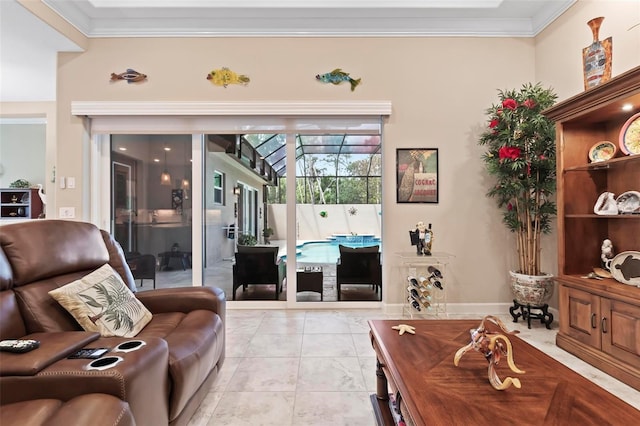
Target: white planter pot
<point>532,290</point>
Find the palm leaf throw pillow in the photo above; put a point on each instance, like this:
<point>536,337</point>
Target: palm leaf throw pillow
<point>102,302</point>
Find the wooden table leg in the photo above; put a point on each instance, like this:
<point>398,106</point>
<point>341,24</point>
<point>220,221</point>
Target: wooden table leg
<point>382,390</point>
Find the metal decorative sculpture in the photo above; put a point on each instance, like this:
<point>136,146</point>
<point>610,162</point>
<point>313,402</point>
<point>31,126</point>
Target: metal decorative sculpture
<point>493,346</point>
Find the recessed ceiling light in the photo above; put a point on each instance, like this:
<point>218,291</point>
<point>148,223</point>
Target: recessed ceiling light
<point>157,160</point>
<point>122,148</point>
<point>627,107</point>
<point>166,148</point>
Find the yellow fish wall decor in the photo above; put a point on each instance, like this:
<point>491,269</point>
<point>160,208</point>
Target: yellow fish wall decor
<point>225,77</point>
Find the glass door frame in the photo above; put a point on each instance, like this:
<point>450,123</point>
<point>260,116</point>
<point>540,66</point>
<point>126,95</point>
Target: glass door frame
<point>152,118</point>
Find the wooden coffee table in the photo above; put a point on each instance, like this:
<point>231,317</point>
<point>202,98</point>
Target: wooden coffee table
<point>429,390</point>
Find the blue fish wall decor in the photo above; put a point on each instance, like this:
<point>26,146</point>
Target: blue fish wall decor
<point>338,76</point>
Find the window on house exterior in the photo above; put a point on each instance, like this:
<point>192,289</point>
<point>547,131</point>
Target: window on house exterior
<point>218,187</point>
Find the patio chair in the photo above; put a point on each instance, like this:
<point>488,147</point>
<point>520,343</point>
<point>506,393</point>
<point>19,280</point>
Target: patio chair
<point>143,267</point>
<point>256,265</point>
<point>359,266</point>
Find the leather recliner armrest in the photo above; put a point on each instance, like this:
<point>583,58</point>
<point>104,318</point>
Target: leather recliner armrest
<point>184,299</point>
<point>53,347</point>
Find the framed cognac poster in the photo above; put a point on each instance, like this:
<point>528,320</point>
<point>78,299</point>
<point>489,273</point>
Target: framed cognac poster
<point>417,175</point>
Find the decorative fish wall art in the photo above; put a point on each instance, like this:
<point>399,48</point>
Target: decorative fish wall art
<point>225,77</point>
<point>338,76</point>
<point>130,75</point>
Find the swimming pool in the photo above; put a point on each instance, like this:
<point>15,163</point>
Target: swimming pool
<point>328,251</point>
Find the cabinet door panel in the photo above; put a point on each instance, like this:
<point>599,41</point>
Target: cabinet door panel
<point>582,320</point>
<point>621,332</point>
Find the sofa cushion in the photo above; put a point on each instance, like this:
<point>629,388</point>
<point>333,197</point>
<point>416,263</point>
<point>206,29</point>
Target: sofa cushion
<point>6,275</point>
<point>11,323</point>
<point>100,301</point>
<point>93,409</point>
<point>53,247</point>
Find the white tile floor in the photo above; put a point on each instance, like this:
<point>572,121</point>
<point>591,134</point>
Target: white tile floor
<point>318,368</point>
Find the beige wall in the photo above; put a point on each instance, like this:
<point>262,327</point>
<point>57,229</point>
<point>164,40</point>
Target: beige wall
<point>559,46</point>
<point>47,111</point>
<point>439,89</point>
<point>22,153</point>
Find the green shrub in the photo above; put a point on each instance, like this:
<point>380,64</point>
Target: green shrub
<point>247,240</point>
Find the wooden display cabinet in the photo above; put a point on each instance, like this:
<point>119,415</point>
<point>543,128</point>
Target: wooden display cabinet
<point>20,203</point>
<point>599,319</point>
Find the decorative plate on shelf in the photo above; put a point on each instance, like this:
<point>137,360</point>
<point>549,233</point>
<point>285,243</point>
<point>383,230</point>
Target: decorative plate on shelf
<point>602,151</point>
<point>630,136</point>
<point>628,202</point>
<point>625,267</point>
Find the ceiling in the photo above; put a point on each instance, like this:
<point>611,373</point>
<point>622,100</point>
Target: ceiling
<point>28,46</point>
<point>109,18</point>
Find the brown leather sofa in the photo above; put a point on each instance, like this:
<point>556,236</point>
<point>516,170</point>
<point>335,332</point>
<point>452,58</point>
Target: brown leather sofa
<point>90,409</point>
<point>163,382</point>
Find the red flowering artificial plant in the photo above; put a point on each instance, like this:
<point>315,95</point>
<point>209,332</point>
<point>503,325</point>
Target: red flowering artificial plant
<point>521,155</point>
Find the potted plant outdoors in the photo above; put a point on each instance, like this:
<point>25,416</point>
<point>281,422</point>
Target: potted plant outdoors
<point>266,233</point>
<point>521,155</point>
<point>247,240</point>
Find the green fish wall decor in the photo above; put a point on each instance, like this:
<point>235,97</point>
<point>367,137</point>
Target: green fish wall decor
<point>225,77</point>
<point>338,76</point>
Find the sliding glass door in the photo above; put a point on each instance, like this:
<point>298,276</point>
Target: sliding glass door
<point>189,216</point>
<point>151,207</point>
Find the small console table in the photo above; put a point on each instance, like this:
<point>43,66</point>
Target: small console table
<point>310,279</point>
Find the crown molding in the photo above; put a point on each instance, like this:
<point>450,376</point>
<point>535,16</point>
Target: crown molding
<point>288,18</point>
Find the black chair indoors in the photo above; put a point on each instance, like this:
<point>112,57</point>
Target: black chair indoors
<point>143,267</point>
<point>359,266</point>
<point>256,265</point>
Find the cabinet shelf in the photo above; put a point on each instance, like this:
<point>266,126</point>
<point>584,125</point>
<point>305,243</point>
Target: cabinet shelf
<point>604,217</point>
<point>603,165</point>
<point>605,286</point>
<point>20,203</point>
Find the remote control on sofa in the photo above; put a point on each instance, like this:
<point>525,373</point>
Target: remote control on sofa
<point>19,345</point>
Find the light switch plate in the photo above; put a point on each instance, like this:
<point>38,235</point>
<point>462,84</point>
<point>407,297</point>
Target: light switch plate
<point>67,212</point>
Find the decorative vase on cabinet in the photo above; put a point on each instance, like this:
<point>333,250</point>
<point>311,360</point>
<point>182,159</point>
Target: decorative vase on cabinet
<point>596,58</point>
